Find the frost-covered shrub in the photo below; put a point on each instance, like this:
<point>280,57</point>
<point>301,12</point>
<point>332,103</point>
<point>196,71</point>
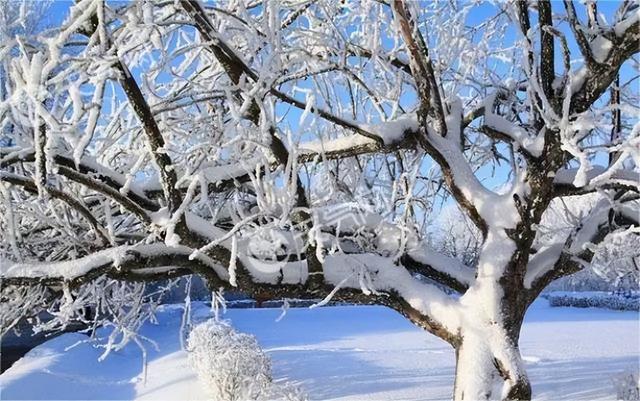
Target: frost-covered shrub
<point>628,386</point>
<point>607,301</point>
<point>284,391</point>
<point>230,365</point>
<point>588,280</point>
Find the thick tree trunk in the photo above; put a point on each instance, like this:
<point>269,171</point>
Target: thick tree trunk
<point>488,361</point>
<point>489,367</point>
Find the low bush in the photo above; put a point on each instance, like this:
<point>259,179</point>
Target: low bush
<point>230,365</point>
<point>607,301</point>
<point>628,387</point>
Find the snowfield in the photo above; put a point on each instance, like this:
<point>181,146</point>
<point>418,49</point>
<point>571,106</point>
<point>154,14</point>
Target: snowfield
<point>338,353</point>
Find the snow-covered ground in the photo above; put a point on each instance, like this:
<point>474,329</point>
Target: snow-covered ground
<point>339,353</point>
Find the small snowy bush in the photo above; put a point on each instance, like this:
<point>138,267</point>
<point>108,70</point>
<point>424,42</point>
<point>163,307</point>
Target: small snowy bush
<point>230,365</point>
<point>607,301</point>
<point>628,387</point>
<point>284,391</point>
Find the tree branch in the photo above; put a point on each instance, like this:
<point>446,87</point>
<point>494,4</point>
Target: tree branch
<point>578,31</point>
<point>597,77</point>
<point>421,68</point>
<point>547,52</point>
<point>94,176</point>
<point>452,276</point>
<point>235,67</point>
<point>157,261</point>
<point>150,127</point>
<point>568,257</point>
<point>69,199</point>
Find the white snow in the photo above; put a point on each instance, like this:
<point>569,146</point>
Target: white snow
<point>541,262</point>
<point>600,47</point>
<point>339,353</point>
<point>451,266</point>
<point>216,174</point>
<point>335,145</point>
<point>621,27</point>
<point>534,144</point>
<point>394,131</point>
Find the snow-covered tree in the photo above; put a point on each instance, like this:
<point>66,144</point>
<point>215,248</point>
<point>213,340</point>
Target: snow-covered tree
<point>455,235</point>
<point>301,149</point>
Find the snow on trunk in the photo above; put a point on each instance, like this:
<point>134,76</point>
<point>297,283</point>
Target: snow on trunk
<point>488,362</point>
<point>487,369</point>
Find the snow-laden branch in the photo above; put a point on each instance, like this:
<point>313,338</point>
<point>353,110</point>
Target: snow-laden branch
<point>578,31</point>
<point>418,257</point>
<point>127,262</point>
<point>581,179</point>
<point>499,127</point>
<point>570,252</point>
<point>94,174</point>
<point>440,268</point>
<point>479,201</point>
<point>154,136</point>
<point>346,146</point>
<point>385,276</point>
<point>367,272</point>
<point>469,191</point>
<point>594,78</point>
<point>542,261</point>
<point>235,66</point>
<point>68,198</point>
<point>396,134</point>
<point>421,66</point>
<point>364,278</point>
<point>502,128</point>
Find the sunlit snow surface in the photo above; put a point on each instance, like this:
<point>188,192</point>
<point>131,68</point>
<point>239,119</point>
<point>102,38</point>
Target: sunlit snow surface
<point>340,353</point>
